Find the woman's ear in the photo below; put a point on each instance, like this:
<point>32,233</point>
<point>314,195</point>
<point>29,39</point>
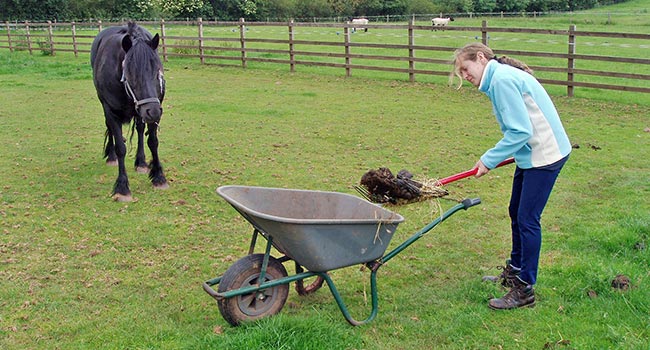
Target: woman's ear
<point>480,57</point>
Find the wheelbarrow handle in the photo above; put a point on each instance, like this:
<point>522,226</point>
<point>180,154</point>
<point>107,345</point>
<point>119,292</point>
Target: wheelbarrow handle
<point>470,202</point>
<point>469,173</point>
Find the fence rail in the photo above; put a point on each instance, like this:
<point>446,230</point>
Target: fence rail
<point>237,47</point>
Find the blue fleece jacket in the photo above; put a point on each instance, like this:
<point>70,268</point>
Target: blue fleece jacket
<point>531,126</point>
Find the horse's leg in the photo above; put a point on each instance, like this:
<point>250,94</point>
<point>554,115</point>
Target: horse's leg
<point>121,192</point>
<point>140,159</point>
<point>156,173</point>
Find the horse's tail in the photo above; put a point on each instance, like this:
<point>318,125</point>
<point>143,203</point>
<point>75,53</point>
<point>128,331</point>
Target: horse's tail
<point>106,135</point>
<point>132,132</point>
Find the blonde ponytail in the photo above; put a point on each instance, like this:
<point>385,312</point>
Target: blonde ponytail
<point>515,63</point>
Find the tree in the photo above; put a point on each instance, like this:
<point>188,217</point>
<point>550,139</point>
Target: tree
<point>313,8</point>
<point>466,6</point>
<point>485,6</point>
<point>168,8</point>
<point>421,7</point>
<point>582,4</point>
<point>34,10</point>
<point>262,10</point>
<point>369,8</point>
<point>394,7</point>
<point>345,8</point>
<point>449,6</point>
<point>275,9</point>
<point>248,8</point>
<point>512,5</point>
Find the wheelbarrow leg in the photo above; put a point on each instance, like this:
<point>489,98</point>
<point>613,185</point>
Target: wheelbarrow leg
<point>265,261</point>
<point>374,266</point>
<point>251,248</point>
<point>341,304</point>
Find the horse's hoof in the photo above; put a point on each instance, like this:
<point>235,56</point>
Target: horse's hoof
<point>118,197</point>
<point>142,170</point>
<point>111,162</point>
<point>162,186</point>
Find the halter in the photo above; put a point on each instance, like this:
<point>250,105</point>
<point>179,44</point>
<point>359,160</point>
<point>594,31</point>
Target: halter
<point>131,94</point>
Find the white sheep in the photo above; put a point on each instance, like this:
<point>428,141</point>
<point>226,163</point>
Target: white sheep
<point>359,21</point>
<point>441,22</point>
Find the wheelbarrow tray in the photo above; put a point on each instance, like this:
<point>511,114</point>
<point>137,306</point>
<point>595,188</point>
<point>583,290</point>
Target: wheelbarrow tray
<point>319,230</point>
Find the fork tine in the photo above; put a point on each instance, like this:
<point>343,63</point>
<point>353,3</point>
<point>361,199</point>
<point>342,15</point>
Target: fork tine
<point>363,192</point>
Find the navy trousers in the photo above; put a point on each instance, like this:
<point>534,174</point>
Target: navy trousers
<point>531,189</point>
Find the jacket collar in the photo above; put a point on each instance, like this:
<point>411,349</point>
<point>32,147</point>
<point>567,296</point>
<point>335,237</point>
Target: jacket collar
<point>488,72</point>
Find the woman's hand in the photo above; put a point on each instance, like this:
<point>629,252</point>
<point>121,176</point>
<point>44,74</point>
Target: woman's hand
<point>481,169</point>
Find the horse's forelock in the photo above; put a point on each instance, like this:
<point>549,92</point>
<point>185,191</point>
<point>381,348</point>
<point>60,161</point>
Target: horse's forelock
<point>143,58</point>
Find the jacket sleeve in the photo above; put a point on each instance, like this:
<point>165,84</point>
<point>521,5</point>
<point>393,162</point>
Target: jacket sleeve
<point>512,115</point>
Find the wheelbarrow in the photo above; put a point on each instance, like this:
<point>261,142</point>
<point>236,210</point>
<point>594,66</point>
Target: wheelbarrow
<point>320,231</point>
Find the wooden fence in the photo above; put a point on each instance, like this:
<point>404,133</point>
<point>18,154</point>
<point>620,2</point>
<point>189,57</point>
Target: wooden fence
<point>236,47</point>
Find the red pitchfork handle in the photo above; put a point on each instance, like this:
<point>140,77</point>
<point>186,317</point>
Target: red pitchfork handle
<point>469,173</point>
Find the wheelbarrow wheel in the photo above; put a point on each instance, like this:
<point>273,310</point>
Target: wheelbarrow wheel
<point>311,287</point>
<point>259,304</point>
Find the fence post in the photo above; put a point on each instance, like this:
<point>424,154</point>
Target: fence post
<point>411,52</point>
<point>29,39</point>
<point>74,39</point>
<point>11,48</point>
<point>346,38</point>
<point>99,25</point>
<point>242,40</point>
<point>50,38</point>
<point>292,62</point>
<point>201,56</point>
<point>484,33</point>
<point>571,60</point>
<point>163,41</point>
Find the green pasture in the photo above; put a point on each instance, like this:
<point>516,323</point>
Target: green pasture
<point>79,271</point>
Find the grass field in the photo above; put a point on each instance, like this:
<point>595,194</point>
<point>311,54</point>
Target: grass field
<point>79,271</point>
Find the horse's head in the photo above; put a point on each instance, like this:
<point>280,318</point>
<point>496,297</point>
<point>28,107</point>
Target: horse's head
<point>142,75</point>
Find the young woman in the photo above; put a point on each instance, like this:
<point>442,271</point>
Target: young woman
<point>534,135</point>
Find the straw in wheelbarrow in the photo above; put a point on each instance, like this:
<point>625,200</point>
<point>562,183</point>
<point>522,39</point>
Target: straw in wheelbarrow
<point>381,186</point>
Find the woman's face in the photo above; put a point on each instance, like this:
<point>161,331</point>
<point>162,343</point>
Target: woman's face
<point>472,71</point>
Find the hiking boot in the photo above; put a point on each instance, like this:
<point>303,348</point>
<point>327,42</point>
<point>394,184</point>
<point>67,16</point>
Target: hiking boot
<point>520,295</point>
<point>507,276</point>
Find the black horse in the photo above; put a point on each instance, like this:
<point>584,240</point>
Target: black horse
<point>128,76</point>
